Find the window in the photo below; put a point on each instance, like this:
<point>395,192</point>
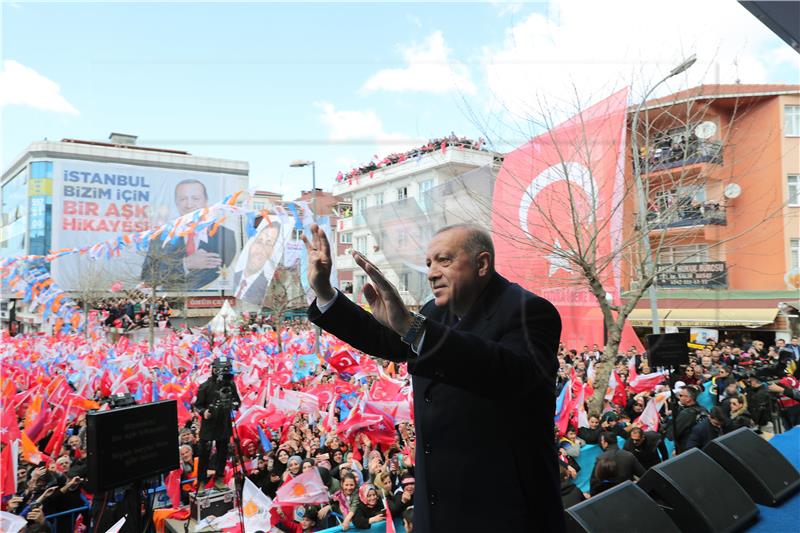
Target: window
<point>360,206</point>
<point>379,199</point>
<point>794,253</point>
<point>41,169</point>
<point>791,120</point>
<point>402,193</point>
<point>692,253</point>
<point>361,244</point>
<point>404,281</point>
<point>794,189</point>
<point>346,238</point>
<point>424,194</point>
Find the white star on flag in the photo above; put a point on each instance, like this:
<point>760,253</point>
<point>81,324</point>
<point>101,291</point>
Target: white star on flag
<point>557,261</point>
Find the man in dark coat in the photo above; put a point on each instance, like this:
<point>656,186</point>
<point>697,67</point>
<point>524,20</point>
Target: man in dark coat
<point>188,263</point>
<point>482,356</point>
<point>216,398</point>
<point>644,446</point>
<point>627,465</point>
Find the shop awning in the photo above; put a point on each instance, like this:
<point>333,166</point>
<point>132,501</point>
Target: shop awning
<point>688,317</point>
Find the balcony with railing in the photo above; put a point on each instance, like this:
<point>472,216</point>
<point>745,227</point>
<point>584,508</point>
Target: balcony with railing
<point>685,216</point>
<point>668,154</point>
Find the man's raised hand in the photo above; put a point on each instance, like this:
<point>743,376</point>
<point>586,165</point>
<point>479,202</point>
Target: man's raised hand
<point>384,300</point>
<point>319,264</point>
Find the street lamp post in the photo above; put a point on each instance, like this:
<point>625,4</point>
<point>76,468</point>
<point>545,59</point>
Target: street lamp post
<point>297,163</point>
<point>640,192</point>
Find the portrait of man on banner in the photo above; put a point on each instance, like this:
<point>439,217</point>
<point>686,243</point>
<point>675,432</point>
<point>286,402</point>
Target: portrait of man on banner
<point>195,261</point>
<point>258,261</point>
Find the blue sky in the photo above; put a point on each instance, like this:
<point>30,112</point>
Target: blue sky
<point>337,83</point>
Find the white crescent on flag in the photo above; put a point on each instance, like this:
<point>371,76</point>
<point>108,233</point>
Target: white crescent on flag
<point>571,172</point>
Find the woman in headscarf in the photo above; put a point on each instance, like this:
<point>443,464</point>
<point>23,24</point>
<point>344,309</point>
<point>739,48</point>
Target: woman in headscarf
<point>281,462</point>
<point>293,467</point>
<point>369,509</point>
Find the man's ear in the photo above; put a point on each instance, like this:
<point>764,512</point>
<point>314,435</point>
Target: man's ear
<point>484,264</point>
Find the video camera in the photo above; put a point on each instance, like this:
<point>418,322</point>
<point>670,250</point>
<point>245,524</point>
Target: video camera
<point>763,371</point>
<point>223,374</point>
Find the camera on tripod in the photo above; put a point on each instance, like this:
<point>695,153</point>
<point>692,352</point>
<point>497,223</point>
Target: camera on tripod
<point>223,375</point>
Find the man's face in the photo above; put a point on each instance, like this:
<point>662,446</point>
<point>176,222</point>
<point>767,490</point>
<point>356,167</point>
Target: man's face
<point>780,343</point>
<point>190,196</point>
<point>261,250</point>
<point>593,422</point>
<point>794,341</point>
<point>74,442</point>
<point>186,455</point>
<point>452,272</point>
<point>685,398</point>
<point>706,361</point>
<point>637,437</point>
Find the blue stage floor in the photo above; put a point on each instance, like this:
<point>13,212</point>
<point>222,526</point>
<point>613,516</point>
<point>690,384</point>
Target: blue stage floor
<point>785,518</point>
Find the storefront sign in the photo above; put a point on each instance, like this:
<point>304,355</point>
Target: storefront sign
<point>205,302</point>
<point>701,275</point>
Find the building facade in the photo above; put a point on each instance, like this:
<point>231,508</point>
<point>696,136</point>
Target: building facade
<point>721,170</point>
<point>74,193</point>
<point>397,208</point>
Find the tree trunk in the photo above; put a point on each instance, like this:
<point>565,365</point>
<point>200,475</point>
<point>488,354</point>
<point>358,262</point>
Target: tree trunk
<point>596,402</point>
<point>150,313</point>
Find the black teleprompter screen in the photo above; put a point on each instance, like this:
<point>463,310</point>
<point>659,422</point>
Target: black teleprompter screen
<point>131,443</point>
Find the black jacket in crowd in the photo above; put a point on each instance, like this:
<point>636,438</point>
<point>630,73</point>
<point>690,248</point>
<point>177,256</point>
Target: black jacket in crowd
<point>647,454</point>
<point>219,426</point>
<point>687,418</point>
<point>627,465</point>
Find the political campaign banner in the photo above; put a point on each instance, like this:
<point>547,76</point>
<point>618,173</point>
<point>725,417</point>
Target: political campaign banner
<point>94,201</point>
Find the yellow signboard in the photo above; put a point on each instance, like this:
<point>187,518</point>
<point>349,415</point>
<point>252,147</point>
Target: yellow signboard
<point>40,187</point>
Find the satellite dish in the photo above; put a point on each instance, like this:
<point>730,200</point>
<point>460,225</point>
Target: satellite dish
<point>732,190</point>
<point>705,130</point>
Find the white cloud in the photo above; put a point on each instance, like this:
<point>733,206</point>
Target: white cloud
<point>598,47</point>
<point>23,86</point>
<point>363,127</point>
<point>428,69</point>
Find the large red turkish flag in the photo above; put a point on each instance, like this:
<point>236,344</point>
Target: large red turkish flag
<point>564,191</point>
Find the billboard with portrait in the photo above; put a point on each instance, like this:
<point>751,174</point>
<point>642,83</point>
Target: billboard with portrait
<point>95,201</point>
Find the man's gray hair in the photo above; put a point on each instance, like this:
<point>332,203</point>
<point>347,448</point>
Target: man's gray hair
<point>477,240</point>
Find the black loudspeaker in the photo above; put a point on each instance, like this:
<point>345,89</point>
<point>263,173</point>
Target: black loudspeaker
<point>699,495</point>
<point>761,470</point>
<point>625,507</point>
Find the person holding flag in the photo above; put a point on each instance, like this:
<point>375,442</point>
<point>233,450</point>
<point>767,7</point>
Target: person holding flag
<point>482,354</point>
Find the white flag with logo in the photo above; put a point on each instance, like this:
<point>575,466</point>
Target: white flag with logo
<point>255,507</point>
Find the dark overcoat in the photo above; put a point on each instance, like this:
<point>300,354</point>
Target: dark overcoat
<point>484,404</point>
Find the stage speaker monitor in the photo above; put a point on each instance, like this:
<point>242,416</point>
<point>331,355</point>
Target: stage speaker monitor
<point>699,495</point>
<point>130,444</point>
<point>625,507</point>
<point>766,475</point>
<point>668,349</point>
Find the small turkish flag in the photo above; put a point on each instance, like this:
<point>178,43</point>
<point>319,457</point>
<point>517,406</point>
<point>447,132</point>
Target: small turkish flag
<point>342,361</point>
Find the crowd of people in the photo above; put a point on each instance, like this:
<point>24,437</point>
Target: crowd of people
<point>366,477</point>
<point>433,145</point>
<point>723,387</point>
<point>130,311</point>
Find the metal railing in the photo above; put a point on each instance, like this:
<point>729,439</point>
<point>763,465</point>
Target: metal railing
<point>686,216</point>
<point>661,156</point>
